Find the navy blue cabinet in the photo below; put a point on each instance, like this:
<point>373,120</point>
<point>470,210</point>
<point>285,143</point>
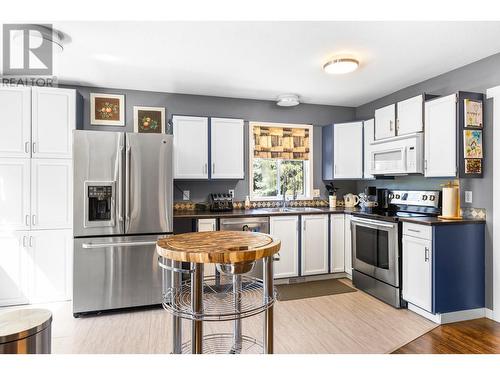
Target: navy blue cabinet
<point>327,152</point>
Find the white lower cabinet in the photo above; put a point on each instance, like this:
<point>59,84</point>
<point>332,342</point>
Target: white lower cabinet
<point>208,225</point>
<point>347,245</point>
<point>417,271</point>
<point>286,229</point>
<point>314,245</point>
<point>337,243</point>
<point>13,268</point>
<point>50,269</point>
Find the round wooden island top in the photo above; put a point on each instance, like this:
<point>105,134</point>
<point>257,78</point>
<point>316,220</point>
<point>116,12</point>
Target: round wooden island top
<point>218,247</point>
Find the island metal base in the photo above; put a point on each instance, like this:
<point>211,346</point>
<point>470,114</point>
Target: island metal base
<point>234,301</point>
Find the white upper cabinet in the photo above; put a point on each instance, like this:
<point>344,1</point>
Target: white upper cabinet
<point>51,194</point>
<point>53,120</point>
<point>348,150</point>
<point>368,138</point>
<point>441,137</point>
<point>227,148</point>
<point>410,115</point>
<point>51,253</point>
<point>15,122</point>
<point>190,147</point>
<point>286,229</point>
<point>14,194</point>
<point>385,122</point>
<point>13,268</point>
<point>314,254</point>
<point>337,243</point>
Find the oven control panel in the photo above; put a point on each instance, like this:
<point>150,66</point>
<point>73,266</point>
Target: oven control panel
<point>426,198</point>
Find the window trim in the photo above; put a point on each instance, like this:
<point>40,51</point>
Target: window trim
<point>310,168</point>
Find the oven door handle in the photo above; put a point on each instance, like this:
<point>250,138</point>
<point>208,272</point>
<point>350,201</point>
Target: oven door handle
<point>372,222</point>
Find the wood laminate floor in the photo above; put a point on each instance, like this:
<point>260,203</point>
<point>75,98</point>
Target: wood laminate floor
<point>479,336</point>
<point>343,323</point>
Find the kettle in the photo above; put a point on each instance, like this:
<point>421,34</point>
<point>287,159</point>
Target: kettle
<point>350,200</point>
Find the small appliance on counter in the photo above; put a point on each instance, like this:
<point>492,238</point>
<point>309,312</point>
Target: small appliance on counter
<point>221,202</point>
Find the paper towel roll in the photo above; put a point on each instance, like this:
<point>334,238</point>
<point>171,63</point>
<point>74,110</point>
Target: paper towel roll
<point>450,202</point>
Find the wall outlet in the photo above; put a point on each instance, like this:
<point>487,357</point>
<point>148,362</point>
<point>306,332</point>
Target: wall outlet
<point>231,193</point>
<point>468,196</point>
<point>185,195</point>
<point>316,193</point>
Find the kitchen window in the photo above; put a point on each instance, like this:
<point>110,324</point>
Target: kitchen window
<point>280,161</point>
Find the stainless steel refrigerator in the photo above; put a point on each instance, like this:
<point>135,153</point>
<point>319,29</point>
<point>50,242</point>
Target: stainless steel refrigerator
<point>123,193</point>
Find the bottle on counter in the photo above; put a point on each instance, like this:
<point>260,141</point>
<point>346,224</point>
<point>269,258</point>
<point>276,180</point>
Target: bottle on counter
<point>247,202</point>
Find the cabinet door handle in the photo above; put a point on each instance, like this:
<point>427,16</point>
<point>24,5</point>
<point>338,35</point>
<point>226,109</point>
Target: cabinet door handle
<point>33,147</point>
<point>27,147</point>
<point>31,241</point>
<point>33,219</point>
<point>426,254</point>
<point>24,241</point>
<point>390,125</point>
<point>27,220</point>
<point>413,230</point>
<point>397,125</point>
<point>304,225</point>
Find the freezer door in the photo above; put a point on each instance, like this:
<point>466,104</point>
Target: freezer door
<point>115,272</point>
<point>149,183</point>
<point>97,161</point>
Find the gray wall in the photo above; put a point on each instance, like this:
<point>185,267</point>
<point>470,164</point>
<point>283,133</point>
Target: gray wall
<point>249,110</point>
<point>476,77</point>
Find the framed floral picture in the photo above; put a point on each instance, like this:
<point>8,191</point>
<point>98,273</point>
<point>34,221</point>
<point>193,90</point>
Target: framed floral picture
<point>149,120</point>
<point>107,109</point>
<point>473,144</point>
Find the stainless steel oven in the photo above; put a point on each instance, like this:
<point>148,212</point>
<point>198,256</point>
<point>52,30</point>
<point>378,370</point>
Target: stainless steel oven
<point>375,247</point>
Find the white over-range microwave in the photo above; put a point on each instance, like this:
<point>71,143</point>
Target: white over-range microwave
<point>397,156</point>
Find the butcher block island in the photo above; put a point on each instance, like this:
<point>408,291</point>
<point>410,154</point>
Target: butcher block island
<point>229,294</point>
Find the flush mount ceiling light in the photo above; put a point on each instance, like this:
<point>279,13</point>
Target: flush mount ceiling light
<point>288,100</point>
<point>341,66</point>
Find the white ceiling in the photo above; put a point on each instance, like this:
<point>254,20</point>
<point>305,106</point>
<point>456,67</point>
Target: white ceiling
<point>260,60</point>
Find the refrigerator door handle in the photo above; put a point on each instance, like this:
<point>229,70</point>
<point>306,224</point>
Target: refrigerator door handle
<point>117,244</point>
<point>127,186</point>
<point>120,184</point>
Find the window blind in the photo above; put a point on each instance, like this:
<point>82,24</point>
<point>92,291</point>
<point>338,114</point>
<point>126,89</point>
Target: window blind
<point>288,143</point>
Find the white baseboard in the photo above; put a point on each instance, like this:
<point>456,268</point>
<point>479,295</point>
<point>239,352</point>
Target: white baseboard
<point>452,317</point>
<point>488,313</point>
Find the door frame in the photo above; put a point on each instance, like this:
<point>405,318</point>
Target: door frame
<point>494,93</point>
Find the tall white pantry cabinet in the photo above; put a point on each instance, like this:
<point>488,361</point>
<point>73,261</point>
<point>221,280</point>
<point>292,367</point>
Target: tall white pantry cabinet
<point>36,194</point>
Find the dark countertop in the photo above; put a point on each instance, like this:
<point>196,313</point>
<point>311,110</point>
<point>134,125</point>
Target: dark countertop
<point>255,212</point>
<point>438,221</point>
<point>200,214</point>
